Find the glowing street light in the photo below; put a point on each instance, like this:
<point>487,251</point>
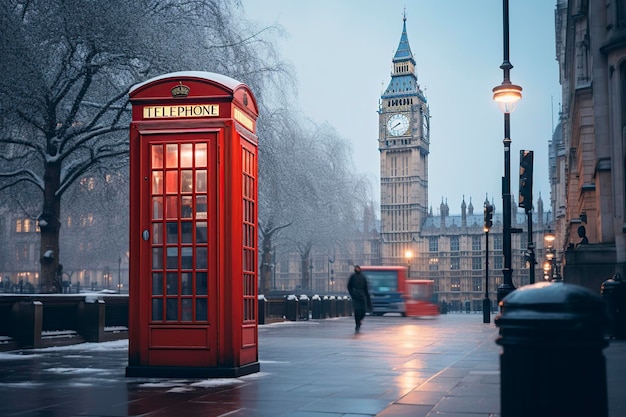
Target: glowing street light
<point>408,255</point>
<point>506,95</point>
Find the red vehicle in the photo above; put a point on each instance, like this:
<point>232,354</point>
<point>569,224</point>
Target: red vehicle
<point>386,286</point>
<point>419,298</point>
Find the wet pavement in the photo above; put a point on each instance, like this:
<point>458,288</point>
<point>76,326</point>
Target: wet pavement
<point>445,367</point>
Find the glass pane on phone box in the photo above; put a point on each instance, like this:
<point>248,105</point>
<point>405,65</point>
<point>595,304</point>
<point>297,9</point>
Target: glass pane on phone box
<point>186,233</point>
<point>186,307</point>
<point>172,232</point>
<point>171,309</point>
<point>157,309</point>
<point>186,257</point>
<point>201,258</point>
<point>171,156</point>
<point>201,309</point>
<point>186,155</point>
<point>157,156</point>
<point>157,283</point>
<point>157,258</point>
<point>172,283</point>
<point>201,283</point>
<point>172,258</point>
<point>186,282</point>
<point>157,182</point>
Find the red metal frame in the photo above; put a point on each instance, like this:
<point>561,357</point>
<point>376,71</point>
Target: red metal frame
<point>193,227</point>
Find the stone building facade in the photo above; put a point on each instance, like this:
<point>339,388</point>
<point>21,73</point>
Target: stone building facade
<point>403,143</point>
<point>589,152</point>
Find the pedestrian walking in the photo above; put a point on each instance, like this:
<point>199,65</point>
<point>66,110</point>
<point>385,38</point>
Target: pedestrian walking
<point>361,301</point>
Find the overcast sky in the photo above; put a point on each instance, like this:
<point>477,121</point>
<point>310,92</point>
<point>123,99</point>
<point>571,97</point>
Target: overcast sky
<point>342,51</point>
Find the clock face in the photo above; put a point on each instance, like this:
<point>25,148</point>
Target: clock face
<point>397,125</point>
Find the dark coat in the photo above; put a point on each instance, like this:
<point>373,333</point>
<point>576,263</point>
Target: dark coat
<point>357,287</point>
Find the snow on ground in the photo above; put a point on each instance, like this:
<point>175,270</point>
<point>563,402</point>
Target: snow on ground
<point>86,377</point>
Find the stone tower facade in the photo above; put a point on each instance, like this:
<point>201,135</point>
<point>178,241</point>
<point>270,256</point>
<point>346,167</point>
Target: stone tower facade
<point>403,142</point>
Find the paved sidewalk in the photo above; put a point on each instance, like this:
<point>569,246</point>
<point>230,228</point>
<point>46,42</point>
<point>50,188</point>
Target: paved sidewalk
<point>445,367</point>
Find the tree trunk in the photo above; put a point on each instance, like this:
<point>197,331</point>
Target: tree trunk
<point>49,224</point>
<point>306,271</point>
<point>266,265</point>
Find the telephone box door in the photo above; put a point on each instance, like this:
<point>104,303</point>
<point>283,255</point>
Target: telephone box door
<point>180,248</point>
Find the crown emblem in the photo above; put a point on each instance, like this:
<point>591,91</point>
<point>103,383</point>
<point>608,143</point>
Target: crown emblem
<point>180,90</point>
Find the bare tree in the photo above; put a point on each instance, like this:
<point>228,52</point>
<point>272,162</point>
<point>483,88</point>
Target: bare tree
<point>67,67</point>
<point>310,195</point>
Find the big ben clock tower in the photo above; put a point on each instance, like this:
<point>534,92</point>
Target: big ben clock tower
<point>403,142</point>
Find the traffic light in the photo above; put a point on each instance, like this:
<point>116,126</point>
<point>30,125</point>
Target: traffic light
<point>488,217</point>
<point>526,180</point>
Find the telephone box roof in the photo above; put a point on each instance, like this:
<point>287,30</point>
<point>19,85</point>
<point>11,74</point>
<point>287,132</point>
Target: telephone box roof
<point>224,80</point>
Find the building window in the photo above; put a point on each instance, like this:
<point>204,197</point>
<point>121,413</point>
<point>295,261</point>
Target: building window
<point>476,245</point>
<point>497,262</point>
<point>477,262</point>
<point>454,243</point>
<point>433,244</point>
<point>455,263</point>
<point>24,252</point>
<point>497,242</point>
<point>455,284</point>
<point>433,264</point>
<point>26,226</point>
<point>477,284</point>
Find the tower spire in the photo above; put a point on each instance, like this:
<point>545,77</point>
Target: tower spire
<point>403,53</point>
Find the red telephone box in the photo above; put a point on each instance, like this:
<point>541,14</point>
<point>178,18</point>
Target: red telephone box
<point>193,227</point>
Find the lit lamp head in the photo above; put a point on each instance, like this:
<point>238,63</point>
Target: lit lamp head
<point>408,255</point>
<point>546,269</point>
<point>549,238</point>
<point>507,95</point>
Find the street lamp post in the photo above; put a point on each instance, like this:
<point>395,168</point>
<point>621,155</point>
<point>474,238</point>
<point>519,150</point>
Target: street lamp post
<point>488,223</point>
<point>486,302</point>
<point>119,275</point>
<point>330,262</point>
<point>506,95</point>
<point>311,273</point>
<point>408,255</point>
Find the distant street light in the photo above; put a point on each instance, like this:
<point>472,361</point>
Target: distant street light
<point>506,95</point>
<point>408,255</point>
<point>550,266</point>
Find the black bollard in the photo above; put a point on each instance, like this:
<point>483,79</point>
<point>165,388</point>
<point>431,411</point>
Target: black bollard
<point>552,365</point>
<point>333,306</point>
<point>316,307</point>
<point>613,292</point>
<point>291,307</point>
<point>262,309</point>
<point>303,307</point>
<point>326,307</point>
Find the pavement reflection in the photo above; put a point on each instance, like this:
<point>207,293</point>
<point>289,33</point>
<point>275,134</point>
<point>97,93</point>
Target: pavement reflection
<point>310,367</point>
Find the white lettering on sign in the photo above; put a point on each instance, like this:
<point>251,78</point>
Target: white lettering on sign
<point>189,110</point>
